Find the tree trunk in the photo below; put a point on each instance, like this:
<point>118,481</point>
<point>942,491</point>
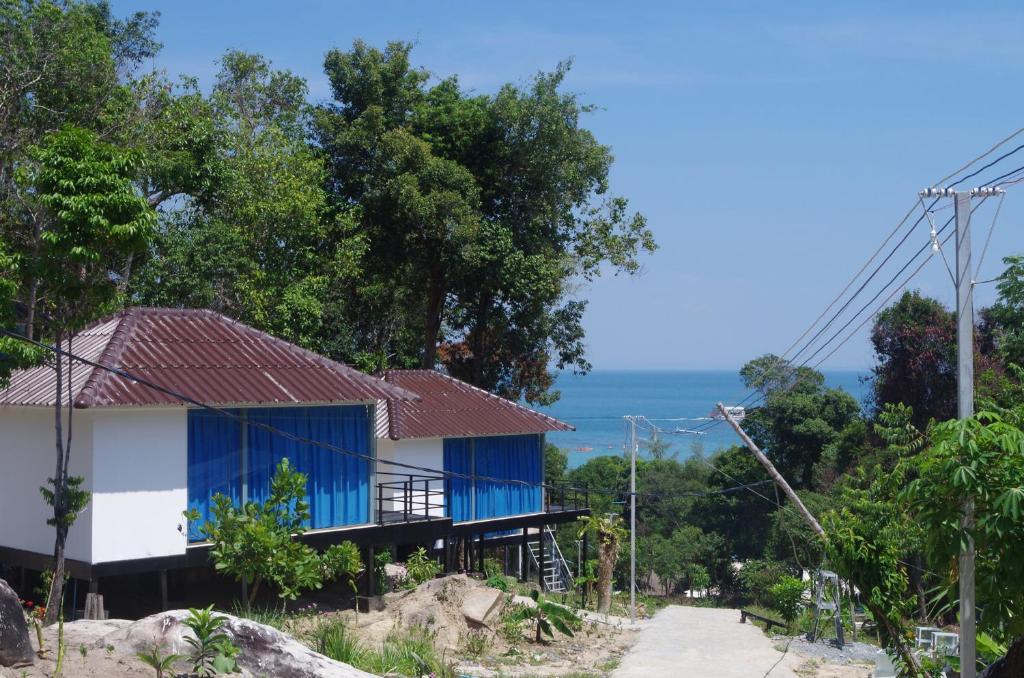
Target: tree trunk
<point>895,636</point>
<point>53,601</point>
<point>478,340</point>
<point>432,321</point>
<point>1010,666</point>
<point>605,566</point>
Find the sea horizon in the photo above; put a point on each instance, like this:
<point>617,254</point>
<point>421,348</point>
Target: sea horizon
<point>676,400</point>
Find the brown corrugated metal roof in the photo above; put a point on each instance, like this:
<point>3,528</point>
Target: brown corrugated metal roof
<point>448,407</point>
<point>200,354</point>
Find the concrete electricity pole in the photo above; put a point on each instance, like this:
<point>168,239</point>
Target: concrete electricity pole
<point>632,517</point>
<point>965,399</point>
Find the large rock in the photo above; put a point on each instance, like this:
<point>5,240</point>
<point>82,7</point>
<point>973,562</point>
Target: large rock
<point>15,643</point>
<point>265,651</point>
<point>479,604</point>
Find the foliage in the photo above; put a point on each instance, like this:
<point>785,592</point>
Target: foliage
<point>547,617</point>
<point>1007,314</point>
<point>797,421</point>
<point>158,661</point>
<point>980,461</point>
<point>480,210</point>
<point>786,596</point>
<point>915,346</point>
<point>498,581</point>
<point>421,567</point>
<point>477,642</point>
<point>608,533</point>
<point>556,463</point>
<point>212,652</point>
<point>255,541</point>
<point>380,560</point>
<point>407,653</point>
<point>758,577</point>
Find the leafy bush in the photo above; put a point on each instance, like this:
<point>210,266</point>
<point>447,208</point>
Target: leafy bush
<point>757,576</point>
<point>380,561</point>
<point>499,582</point>
<point>786,597</point>
<point>255,542</point>
<point>421,567</point>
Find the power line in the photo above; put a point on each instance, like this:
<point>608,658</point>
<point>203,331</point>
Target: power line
<point>319,443</point>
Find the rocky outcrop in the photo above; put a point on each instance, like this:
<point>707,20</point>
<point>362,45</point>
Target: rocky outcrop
<point>265,651</point>
<point>15,643</point>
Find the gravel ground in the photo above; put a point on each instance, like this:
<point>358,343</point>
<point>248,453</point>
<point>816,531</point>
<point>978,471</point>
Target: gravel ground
<point>852,653</point>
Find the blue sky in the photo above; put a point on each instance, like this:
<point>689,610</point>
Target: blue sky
<point>772,146</point>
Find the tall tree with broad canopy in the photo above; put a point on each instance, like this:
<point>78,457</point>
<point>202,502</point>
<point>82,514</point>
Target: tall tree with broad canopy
<point>799,419</point>
<point>482,213</point>
<point>82,200</point>
<point>257,241</point>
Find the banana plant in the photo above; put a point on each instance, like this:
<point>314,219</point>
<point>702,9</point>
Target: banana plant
<point>548,616</point>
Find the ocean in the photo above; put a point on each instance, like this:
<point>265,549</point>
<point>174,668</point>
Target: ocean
<point>595,404</point>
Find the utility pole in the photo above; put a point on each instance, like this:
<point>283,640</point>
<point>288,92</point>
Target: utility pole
<point>632,517</point>
<point>965,401</point>
<point>772,471</point>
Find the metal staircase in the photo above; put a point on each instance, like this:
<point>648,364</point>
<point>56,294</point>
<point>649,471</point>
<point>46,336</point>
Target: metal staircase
<point>557,575</point>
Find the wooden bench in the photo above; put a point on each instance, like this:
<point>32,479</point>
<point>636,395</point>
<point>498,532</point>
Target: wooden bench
<point>765,620</point>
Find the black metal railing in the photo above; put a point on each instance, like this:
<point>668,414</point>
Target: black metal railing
<point>565,497</point>
<point>410,498</point>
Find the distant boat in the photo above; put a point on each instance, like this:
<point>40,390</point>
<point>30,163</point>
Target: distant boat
<point>737,412</point>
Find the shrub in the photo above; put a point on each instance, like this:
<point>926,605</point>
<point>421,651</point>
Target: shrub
<point>757,576</point>
<point>255,542</point>
<point>421,567</point>
<point>499,582</point>
<point>786,596</point>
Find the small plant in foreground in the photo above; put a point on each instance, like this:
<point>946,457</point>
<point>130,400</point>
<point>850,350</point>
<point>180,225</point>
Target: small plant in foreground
<point>159,661</point>
<point>212,651</point>
<point>477,643</point>
<point>499,582</point>
<point>548,617</point>
<point>421,567</point>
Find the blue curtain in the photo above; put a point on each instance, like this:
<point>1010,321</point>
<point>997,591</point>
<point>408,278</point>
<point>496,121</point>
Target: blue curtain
<point>501,458</point>
<point>457,459</point>
<point>338,486</point>
<point>512,458</point>
<point>214,463</point>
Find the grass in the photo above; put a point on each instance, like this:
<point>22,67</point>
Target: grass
<point>409,652</point>
<point>266,615</point>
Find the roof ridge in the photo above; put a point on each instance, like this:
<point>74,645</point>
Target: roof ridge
<point>88,395</point>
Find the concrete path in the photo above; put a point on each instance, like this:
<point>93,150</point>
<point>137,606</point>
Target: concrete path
<point>702,642</point>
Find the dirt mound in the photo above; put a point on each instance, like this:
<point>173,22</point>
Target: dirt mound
<point>435,605</point>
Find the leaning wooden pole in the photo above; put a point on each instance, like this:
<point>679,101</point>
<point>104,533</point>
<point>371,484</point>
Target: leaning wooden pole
<point>776,476</point>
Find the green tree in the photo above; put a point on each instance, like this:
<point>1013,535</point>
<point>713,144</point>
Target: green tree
<point>604,475</point>
<point>915,349</point>
<point>1007,314</point>
<point>257,542</point>
<point>83,205</point>
<point>978,460</point>
<point>798,421</point>
<point>482,212</point>
<point>556,461</point>
<point>264,248</point>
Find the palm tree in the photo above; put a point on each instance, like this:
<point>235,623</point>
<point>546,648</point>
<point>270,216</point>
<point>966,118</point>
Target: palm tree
<point>609,532</point>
